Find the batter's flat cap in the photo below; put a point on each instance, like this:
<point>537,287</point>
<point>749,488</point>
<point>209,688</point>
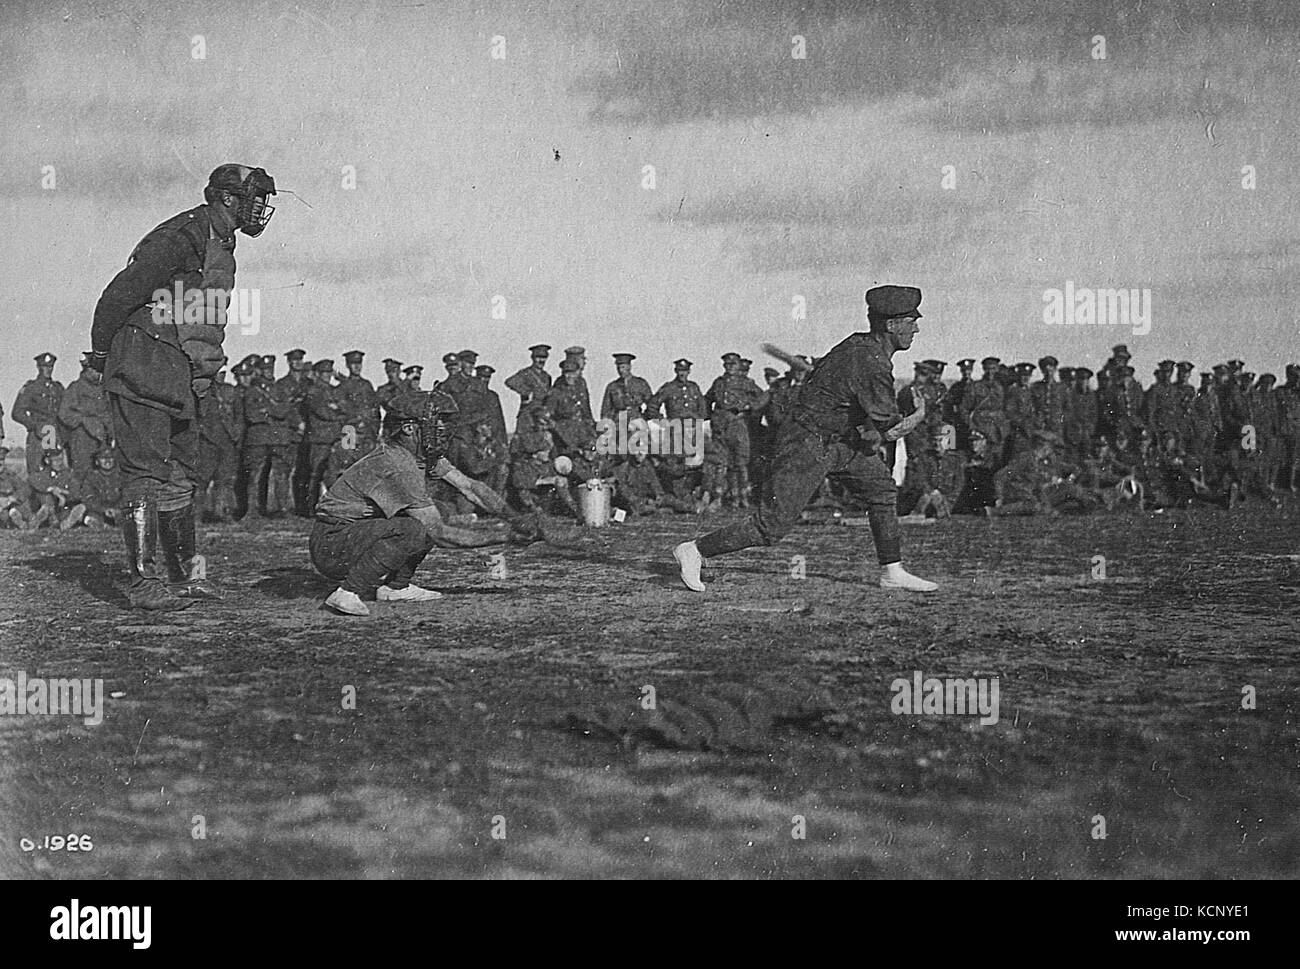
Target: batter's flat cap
<point>888,302</point>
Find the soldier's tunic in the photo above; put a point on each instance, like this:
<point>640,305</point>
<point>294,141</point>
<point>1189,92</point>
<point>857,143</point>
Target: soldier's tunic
<point>684,404</point>
<point>628,395</point>
<point>324,435</point>
<point>918,444</point>
<point>532,385</point>
<point>1184,395</point>
<point>89,426</point>
<point>1081,423</point>
<point>1129,399</point>
<point>1161,411</point>
<point>385,394</point>
<point>101,493</point>
<point>37,408</point>
<point>835,428</point>
<point>730,398</point>
<point>1021,419</point>
<point>982,405</point>
<point>1048,400</point>
<point>1204,427</point>
<point>147,373</point>
<point>567,406</point>
<point>1288,400</point>
<point>359,406</point>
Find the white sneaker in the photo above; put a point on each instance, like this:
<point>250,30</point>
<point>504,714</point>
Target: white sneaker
<point>348,603</point>
<point>690,561</point>
<point>412,593</point>
<point>896,577</point>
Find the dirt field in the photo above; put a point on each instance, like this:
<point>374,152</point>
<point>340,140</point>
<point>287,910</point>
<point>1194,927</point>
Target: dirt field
<point>515,703</point>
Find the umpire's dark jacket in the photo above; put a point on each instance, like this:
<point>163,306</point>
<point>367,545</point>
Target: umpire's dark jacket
<point>145,361</point>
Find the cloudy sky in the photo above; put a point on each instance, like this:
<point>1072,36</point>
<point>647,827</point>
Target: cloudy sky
<point>523,177</point>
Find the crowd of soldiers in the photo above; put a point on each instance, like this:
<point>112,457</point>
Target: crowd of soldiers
<point>1006,444</point>
<point>1002,444</point>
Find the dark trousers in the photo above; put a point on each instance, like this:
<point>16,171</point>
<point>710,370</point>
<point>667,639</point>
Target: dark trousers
<point>267,469</point>
<point>156,452</point>
<point>363,555</point>
<point>803,459</point>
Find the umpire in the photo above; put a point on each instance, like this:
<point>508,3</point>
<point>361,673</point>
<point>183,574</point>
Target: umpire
<point>155,362</point>
<point>843,413</point>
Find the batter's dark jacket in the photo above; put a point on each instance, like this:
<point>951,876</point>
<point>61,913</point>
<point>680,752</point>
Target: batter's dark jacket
<point>145,361</point>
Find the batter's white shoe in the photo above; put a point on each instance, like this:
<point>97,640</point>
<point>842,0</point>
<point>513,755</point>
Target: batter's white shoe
<point>348,603</point>
<point>690,561</point>
<point>412,593</point>
<point>895,576</point>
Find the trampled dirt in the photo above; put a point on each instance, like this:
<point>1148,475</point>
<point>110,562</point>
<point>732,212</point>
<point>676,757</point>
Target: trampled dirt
<point>515,707</point>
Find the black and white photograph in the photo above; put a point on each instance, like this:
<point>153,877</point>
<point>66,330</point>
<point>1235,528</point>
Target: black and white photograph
<point>651,439</point>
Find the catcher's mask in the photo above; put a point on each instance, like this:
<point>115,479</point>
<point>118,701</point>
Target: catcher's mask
<point>252,186</point>
<point>436,421</point>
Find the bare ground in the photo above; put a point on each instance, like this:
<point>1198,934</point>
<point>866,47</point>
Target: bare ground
<point>501,706</point>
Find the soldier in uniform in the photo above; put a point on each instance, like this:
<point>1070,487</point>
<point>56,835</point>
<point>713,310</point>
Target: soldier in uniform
<point>295,384</point>
<point>1203,426</point>
<point>1081,418</point>
<point>16,505</point>
<point>684,405</point>
<point>1128,404</point>
<point>731,397</point>
<point>844,411</point>
<point>1047,396</point>
<point>411,377</point>
<point>1160,406</point>
<point>917,442</point>
<point>626,394</point>
<point>952,403</point>
<point>37,408</point>
<point>273,422</point>
<point>1264,406</point>
<point>496,418</point>
<point>155,368</point>
<point>1019,409</point>
<point>85,418</point>
<point>101,491</point>
<point>324,431</point>
<point>220,430</point>
<point>395,384</point>
<point>356,398</point>
<point>1289,427</point>
<point>533,382</point>
<point>568,409</point>
<point>982,408</point>
<point>1184,394</point>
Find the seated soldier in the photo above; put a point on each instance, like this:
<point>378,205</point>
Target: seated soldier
<point>533,478</point>
<point>376,523</point>
<point>16,504</point>
<point>101,491</point>
<point>979,491</point>
<point>637,489</point>
<point>1027,484</point>
<point>55,489</point>
<point>940,480</point>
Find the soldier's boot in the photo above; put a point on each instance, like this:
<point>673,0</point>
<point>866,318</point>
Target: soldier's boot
<point>75,516</point>
<point>146,589</point>
<point>186,572</point>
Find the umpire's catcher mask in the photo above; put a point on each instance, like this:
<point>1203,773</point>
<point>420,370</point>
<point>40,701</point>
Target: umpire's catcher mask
<point>252,187</point>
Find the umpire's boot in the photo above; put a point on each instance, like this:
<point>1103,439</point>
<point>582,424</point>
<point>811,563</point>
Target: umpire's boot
<point>186,572</point>
<point>140,532</point>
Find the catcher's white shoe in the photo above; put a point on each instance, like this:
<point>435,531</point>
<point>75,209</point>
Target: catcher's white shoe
<point>412,593</point>
<point>348,603</point>
<point>895,576</point>
<point>689,560</point>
